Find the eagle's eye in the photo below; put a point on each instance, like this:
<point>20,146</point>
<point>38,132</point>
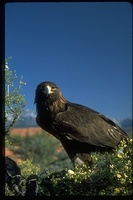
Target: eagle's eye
<point>53,88</point>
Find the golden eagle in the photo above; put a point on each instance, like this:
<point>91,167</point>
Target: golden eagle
<point>80,129</point>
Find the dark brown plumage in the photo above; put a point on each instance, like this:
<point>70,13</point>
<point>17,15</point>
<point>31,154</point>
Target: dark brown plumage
<point>80,129</point>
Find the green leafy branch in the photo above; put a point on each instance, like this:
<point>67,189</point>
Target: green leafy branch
<point>14,100</point>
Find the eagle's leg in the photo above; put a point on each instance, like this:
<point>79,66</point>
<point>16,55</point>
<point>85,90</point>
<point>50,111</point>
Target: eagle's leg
<point>73,149</point>
<point>81,159</point>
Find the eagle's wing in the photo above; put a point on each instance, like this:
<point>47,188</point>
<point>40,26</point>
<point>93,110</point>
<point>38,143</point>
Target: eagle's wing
<point>86,125</point>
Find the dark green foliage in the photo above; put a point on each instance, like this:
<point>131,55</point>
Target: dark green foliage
<point>110,175</point>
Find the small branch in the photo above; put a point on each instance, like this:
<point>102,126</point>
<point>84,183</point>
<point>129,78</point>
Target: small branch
<point>12,123</point>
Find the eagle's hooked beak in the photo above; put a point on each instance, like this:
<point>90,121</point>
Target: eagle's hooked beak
<point>48,90</point>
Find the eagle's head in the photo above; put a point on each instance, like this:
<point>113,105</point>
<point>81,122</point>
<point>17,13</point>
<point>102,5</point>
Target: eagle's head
<point>46,90</point>
<point>48,93</point>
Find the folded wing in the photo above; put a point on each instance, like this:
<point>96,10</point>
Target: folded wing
<point>88,126</point>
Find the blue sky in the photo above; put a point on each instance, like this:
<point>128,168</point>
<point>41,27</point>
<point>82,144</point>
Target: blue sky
<point>85,48</point>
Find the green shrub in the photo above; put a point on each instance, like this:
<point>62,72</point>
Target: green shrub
<point>111,175</point>
<point>42,149</point>
<point>14,101</point>
<point>28,168</point>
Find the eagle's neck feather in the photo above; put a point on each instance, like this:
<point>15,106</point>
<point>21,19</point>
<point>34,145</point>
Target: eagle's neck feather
<point>58,105</point>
